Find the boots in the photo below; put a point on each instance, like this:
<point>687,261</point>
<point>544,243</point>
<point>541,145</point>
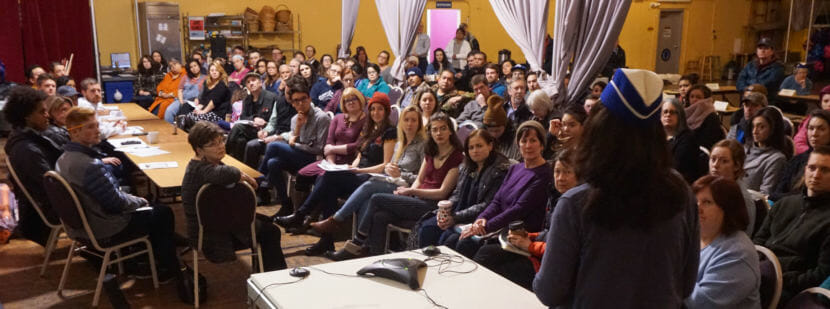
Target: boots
<point>327,226</point>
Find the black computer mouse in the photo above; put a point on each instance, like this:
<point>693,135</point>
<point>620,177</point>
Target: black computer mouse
<point>431,251</point>
<point>299,272</point>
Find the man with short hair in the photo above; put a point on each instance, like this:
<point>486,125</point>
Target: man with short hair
<point>292,150</point>
<point>765,70</point>
<point>277,56</point>
<point>294,64</point>
<point>474,110</point>
<point>58,69</point>
<point>253,58</point>
<point>47,84</point>
<point>515,106</point>
<point>420,48</point>
<point>415,82</point>
<point>114,216</point>
<point>257,108</point>
<point>797,229</point>
<point>285,73</point>
<point>448,98</point>
<point>32,73</point>
<point>90,94</point>
<point>475,66</point>
<point>532,82</point>
<point>752,102</point>
<point>491,72</point>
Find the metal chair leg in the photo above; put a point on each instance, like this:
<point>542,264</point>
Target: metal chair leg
<point>50,246</point>
<point>152,258</point>
<point>196,278</point>
<point>101,274</point>
<point>66,267</point>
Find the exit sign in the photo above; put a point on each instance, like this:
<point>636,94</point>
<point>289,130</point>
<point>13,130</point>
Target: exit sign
<point>443,4</point>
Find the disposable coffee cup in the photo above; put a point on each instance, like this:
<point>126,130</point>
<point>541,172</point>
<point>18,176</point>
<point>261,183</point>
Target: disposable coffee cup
<point>444,208</point>
<point>153,137</point>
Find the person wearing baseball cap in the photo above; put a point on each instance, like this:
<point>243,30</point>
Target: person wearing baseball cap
<point>414,82</point>
<point>632,226</point>
<point>765,69</point>
<point>752,102</point>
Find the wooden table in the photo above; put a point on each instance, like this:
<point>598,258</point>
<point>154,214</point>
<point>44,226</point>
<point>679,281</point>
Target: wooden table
<point>479,288</point>
<point>177,145</point>
<point>134,112</point>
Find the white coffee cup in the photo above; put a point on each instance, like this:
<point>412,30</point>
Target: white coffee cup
<point>153,137</point>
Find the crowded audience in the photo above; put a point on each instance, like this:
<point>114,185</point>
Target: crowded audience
<point>587,193</point>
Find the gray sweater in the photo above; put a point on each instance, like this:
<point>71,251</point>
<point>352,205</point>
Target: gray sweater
<point>763,166</point>
<point>589,266</point>
<point>313,134</point>
<point>410,161</point>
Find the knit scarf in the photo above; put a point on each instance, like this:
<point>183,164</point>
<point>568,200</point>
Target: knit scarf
<point>696,113</point>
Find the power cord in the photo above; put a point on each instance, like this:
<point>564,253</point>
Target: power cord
<point>262,291</point>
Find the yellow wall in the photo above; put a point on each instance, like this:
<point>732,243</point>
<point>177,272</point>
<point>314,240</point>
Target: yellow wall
<point>709,27</point>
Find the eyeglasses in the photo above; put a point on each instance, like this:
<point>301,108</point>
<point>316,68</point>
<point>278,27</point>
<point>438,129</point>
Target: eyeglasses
<point>669,112</point>
<point>219,142</point>
<point>351,100</point>
<point>299,100</point>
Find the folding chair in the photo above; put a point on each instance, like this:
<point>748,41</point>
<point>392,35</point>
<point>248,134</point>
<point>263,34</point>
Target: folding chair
<point>55,227</point>
<point>215,215</point>
<point>771,278</point>
<point>394,228</point>
<point>66,203</point>
<point>812,298</point>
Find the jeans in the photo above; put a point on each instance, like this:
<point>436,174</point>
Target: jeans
<point>327,188</point>
<point>253,149</point>
<point>431,235</point>
<point>359,200</point>
<point>514,267</point>
<point>281,157</point>
<point>172,111</point>
<point>385,208</point>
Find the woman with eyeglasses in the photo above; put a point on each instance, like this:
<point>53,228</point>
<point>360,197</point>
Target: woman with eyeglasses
<point>373,82</point>
<point>689,161</point>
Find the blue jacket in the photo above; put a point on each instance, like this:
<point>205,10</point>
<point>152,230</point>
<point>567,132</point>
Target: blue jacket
<point>770,76</point>
<point>321,92</point>
<point>498,88</point>
<point>790,83</point>
<point>368,91</point>
<point>728,275</point>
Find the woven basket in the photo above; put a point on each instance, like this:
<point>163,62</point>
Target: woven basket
<point>284,16</point>
<point>268,26</point>
<point>283,27</point>
<point>253,25</point>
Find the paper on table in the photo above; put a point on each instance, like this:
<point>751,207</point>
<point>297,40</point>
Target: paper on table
<point>146,152</point>
<point>786,92</point>
<point>713,86</point>
<point>721,106</point>
<point>133,130</point>
<point>156,165</point>
<point>330,167</point>
<point>108,107</point>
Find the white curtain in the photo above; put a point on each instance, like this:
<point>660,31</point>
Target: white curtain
<point>585,32</point>
<point>348,19</point>
<point>400,20</point>
<point>525,22</point>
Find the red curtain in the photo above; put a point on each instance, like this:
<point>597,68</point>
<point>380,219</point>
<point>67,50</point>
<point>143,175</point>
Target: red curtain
<point>10,40</point>
<point>49,30</point>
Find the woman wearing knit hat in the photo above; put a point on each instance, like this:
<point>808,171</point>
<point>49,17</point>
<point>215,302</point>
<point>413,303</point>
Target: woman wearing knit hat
<point>495,121</point>
<point>628,237</point>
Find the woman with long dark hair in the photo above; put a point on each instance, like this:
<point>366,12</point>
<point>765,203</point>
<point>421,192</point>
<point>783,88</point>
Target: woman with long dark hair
<point>792,177</point>
<point>632,226</point>
<point>769,151</point>
<point>147,79</point>
<point>439,62</point>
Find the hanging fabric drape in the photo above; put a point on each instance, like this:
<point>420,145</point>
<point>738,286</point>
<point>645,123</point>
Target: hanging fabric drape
<point>585,32</point>
<point>400,20</point>
<point>348,20</point>
<point>525,21</point>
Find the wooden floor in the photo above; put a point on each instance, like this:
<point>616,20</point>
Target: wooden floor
<point>22,287</point>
